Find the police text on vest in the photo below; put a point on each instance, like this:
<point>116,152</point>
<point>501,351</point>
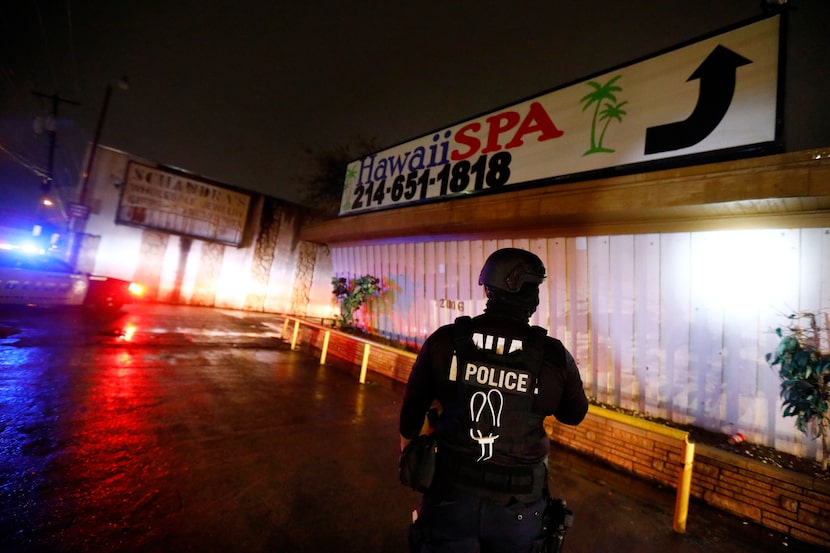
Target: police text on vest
<point>497,377</point>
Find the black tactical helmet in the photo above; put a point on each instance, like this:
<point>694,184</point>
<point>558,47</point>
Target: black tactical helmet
<point>509,268</point>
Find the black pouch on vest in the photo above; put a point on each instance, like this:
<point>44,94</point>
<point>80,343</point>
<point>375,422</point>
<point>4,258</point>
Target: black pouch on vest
<point>417,464</point>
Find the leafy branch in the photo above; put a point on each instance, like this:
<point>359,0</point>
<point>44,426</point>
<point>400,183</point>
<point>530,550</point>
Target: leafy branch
<point>325,177</point>
<point>804,370</point>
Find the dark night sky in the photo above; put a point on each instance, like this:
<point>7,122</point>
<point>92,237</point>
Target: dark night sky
<point>233,91</point>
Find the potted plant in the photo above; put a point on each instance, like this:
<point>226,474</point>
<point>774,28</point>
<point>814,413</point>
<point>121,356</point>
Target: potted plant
<point>351,294</point>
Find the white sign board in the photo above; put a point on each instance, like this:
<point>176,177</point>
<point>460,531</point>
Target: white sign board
<point>716,94</point>
<point>176,203</point>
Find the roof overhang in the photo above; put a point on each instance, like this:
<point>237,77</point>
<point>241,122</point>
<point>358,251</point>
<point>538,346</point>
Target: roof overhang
<point>779,191</point>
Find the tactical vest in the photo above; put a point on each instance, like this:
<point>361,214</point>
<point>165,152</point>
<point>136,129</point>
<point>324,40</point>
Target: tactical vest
<point>492,435</point>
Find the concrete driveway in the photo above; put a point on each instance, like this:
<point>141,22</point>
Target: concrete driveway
<point>168,428</point>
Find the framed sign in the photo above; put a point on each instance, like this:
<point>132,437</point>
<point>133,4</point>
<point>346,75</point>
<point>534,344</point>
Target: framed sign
<point>175,202</point>
<point>719,93</point>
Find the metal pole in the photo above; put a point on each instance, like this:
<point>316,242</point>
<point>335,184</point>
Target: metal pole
<point>56,100</point>
<point>296,333</point>
<point>326,337</point>
<point>47,184</point>
<point>365,363</point>
<point>95,140</point>
<point>684,484</point>
<point>79,223</point>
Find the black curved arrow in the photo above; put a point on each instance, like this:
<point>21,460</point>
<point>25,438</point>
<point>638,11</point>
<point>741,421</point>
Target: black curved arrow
<point>717,86</point>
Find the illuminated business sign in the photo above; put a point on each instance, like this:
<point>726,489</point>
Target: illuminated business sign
<point>719,93</point>
<point>180,204</point>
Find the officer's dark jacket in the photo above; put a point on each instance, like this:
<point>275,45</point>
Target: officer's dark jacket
<point>556,389</point>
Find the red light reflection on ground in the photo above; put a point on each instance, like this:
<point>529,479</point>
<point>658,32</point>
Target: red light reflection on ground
<point>114,453</point>
<point>128,333</point>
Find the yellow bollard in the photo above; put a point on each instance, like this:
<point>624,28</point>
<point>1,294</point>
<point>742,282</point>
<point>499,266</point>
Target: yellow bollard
<point>325,348</point>
<point>296,332</point>
<point>364,364</point>
<point>684,484</point>
<point>284,328</point>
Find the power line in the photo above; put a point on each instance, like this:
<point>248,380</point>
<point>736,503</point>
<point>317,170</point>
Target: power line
<point>23,162</point>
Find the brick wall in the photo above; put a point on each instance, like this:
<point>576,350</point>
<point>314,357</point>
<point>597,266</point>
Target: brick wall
<point>785,501</point>
<point>348,349</point>
<point>644,448</point>
<point>791,503</point>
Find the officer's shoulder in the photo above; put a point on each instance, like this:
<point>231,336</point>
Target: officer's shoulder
<point>541,333</point>
<point>445,332</point>
<point>553,341</point>
<point>554,349</point>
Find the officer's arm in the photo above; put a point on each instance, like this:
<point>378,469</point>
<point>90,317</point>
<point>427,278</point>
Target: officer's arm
<point>418,396</point>
<point>574,404</point>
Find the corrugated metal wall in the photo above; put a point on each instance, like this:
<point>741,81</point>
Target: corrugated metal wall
<point>674,325</point>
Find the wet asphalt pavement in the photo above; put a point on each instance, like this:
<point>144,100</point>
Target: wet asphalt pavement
<point>167,428</point>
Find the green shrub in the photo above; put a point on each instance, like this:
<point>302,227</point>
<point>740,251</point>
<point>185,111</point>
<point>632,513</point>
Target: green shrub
<point>352,294</point>
<point>804,371</point>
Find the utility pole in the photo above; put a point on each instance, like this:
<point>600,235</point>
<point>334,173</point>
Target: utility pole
<point>56,99</point>
<point>81,210</point>
<point>123,84</point>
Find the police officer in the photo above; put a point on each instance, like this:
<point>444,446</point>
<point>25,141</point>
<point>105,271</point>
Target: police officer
<point>493,379</point>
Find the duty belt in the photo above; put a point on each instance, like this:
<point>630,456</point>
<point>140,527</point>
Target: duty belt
<point>516,480</point>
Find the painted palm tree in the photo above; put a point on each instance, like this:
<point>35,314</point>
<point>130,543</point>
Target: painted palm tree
<point>602,93</point>
<point>611,111</point>
<point>346,198</point>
